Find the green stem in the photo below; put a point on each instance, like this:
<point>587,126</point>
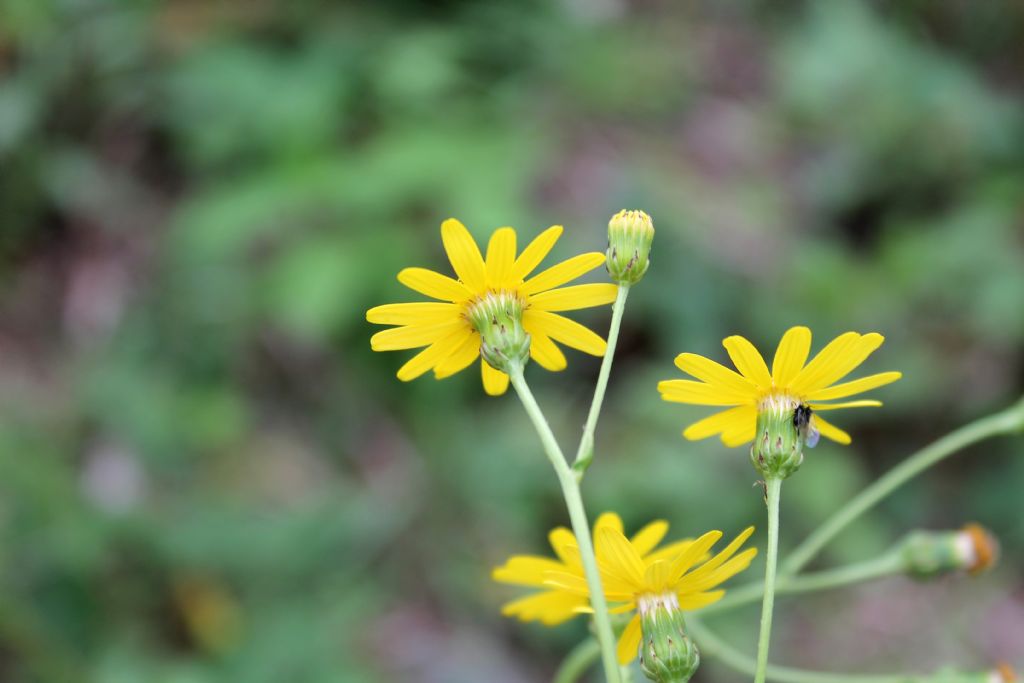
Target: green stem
<point>773,490</point>
<point>884,565</point>
<point>1004,422</point>
<point>578,517</point>
<point>579,659</point>
<point>585,452</point>
<point>713,646</point>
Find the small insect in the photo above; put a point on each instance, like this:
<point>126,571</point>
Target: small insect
<point>803,421</point>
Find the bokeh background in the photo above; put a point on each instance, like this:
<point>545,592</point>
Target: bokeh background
<point>206,475</point>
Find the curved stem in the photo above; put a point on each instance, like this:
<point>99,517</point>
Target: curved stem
<point>578,517</point>
<point>773,489</point>
<point>579,659</point>
<point>884,565</point>
<point>1004,422</point>
<point>585,452</point>
<point>713,646</point>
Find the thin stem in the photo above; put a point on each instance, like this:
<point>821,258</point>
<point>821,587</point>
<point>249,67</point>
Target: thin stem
<point>884,565</point>
<point>1004,422</point>
<point>773,489</point>
<point>713,646</point>
<point>585,452</point>
<point>580,526</point>
<point>579,659</point>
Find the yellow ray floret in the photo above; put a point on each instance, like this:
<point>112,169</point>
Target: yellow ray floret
<point>791,379</point>
<point>444,328</point>
<point>632,569</point>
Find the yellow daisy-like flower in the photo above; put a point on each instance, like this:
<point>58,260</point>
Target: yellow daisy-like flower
<point>635,574</point>
<point>445,328</point>
<point>790,383</point>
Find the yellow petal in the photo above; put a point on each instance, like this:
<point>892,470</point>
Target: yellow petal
<point>830,431</point>
<point>559,274</point>
<point>648,538</point>
<point>670,551</point>
<point>414,336</point>
<point>566,581</point>
<point>431,356</point>
<point>618,558</point>
<point>714,565</point>
<point>856,386</point>
<point>526,570</point>
<point>707,370</point>
<point>725,420</point>
<point>575,297</point>
<point>501,256</point>
<point>656,575</point>
<point>563,542</point>
<point>495,381</point>
<point>791,355</point>
<point>550,607</point>
<point>464,254</point>
<point>693,553</point>
<point>739,433</point>
<point>748,361</point>
<point>546,352</point>
<point>694,601</point>
<point>565,331</point>
<point>416,313</point>
<point>698,393</point>
<point>863,403</point>
<point>836,360</point>
<point>460,359</point>
<point>696,583</point>
<point>629,642</point>
<point>433,284</point>
<point>535,253</point>
<point>609,520</point>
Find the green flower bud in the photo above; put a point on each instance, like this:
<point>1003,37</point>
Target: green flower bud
<point>498,317</point>
<point>783,425</point>
<point>667,655</point>
<point>928,554</point>
<point>630,234</point>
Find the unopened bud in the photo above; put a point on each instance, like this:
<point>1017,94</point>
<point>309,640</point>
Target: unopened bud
<point>498,317</point>
<point>667,655</point>
<point>927,554</point>
<point>630,234</point>
<point>782,429</point>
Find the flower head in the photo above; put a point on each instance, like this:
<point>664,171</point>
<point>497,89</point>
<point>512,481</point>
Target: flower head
<point>636,575</point>
<point>448,328</point>
<point>792,383</point>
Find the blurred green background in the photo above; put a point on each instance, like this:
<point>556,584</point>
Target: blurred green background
<point>206,475</point>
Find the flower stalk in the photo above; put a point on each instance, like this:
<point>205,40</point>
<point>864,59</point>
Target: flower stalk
<point>578,518</point>
<point>585,452</point>
<point>1008,421</point>
<point>773,490</point>
<point>716,648</point>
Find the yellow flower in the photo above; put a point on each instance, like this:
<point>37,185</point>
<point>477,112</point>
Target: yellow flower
<point>445,327</point>
<point>635,573</point>
<point>790,383</point>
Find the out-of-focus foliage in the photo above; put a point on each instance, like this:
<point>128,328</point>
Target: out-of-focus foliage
<point>205,475</point>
